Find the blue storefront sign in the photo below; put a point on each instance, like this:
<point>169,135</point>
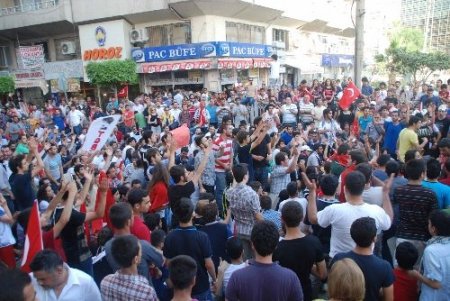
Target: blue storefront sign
<point>337,60</point>
<point>200,50</point>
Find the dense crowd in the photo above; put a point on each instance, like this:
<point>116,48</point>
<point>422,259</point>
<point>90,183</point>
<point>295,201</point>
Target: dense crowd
<point>280,194</point>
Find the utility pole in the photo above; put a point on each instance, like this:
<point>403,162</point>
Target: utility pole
<point>359,40</point>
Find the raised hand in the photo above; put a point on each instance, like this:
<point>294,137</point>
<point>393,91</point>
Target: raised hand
<point>311,185</point>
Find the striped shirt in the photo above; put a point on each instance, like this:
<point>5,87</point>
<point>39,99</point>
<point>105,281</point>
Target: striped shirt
<point>227,152</point>
<point>415,204</point>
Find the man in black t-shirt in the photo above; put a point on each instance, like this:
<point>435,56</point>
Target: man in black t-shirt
<point>21,180</point>
<point>259,155</point>
<point>73,236</point>
<point>299,252</point>
<point>185,183</point>
<point>186,240</point>
<point>328,185</point>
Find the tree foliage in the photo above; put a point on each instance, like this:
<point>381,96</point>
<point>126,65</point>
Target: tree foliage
<point>112,73</point>
<point>404,56</point>
<point>6,85</point>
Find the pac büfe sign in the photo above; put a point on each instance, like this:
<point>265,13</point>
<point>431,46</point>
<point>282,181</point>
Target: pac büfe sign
<point>102,54</point>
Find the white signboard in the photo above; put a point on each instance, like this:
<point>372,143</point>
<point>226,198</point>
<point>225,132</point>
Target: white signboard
<point>30,57</point>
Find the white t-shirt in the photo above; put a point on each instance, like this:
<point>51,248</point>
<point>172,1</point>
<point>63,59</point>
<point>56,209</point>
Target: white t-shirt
<point>288,115</point>
<point>75,117</point>
<point>373,195</point>
<point>229,271</point>
<point>6,236</point>
<point>341,217</point>
<point>302,201</point>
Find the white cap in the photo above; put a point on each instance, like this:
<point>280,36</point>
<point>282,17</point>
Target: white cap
<point>443,108</point>
<point>305,148</point>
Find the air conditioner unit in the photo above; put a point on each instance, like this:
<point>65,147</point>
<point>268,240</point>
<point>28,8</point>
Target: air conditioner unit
<point>138,35</point>
<point>68,47</point>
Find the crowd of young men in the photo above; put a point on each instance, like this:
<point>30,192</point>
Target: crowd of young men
<point>274,187</point>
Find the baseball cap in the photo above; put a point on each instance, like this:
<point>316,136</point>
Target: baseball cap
<point>442,108</point>
<point>305,148</point>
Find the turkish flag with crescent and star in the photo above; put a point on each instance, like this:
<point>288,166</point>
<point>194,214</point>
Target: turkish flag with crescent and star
<point>349,95</point>
<point>122,93</point>
<point>33,238</point>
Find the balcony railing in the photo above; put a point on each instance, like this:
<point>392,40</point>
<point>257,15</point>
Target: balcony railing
<point>36,5</point>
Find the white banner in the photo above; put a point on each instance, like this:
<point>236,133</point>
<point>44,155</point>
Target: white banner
<point>30,57</point>
<point>99,132</point>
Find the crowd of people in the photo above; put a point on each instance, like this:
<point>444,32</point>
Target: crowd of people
<point>280,194</point>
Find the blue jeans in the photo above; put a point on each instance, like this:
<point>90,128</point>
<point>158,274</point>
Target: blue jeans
<point>77,129</point>
<point>261,174</point>
<point>221,183</point>
<point>205,296</point>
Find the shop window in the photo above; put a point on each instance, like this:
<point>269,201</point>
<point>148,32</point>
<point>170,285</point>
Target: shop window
<point>181,74</point>
<point>169,34</point>
<point>245,33</point>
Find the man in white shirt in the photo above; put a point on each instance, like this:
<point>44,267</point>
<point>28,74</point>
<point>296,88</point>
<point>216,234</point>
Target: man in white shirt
<point>75,119</point>
<point>53,280</point>
<point>289,112</point>
<point>341,216</point>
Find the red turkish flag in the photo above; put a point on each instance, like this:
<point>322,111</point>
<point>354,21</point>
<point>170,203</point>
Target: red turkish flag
<point>33,238</point>
<point>350,93</point>
<point>123,92</point>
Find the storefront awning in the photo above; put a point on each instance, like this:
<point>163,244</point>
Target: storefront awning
<point>32,83</point>
<point>236,63</point>
<point>262,63</point>
<point>203,64</point>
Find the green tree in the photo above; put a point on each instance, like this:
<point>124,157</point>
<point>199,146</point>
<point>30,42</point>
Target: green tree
<point>402,40</point>
<point>6,85</point>
<point>112,73</point>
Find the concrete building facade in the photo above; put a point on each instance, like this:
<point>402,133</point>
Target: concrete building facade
<point>176,43</point>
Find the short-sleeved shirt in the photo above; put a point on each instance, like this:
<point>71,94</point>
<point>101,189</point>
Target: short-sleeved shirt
<point>415,205</point>
<point>139,229</point>
<point>52,164</point>
<point>279,179</point>
<point>259,281</point>
<point>406,140</point>
<point>22,188</point>
<point>392,132</point>
<point>299,255</point>
<point>341,217</point>
<point>436,266</point>
<point>176,192</point>
<point>244,204</point>
<point>377,272</point>
<point>73,237</point>
<point>189,241</point>
<point>6,237</point>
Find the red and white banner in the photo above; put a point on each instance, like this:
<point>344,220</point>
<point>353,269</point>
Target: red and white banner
<point>176,65</point>
<point>33,238</point>
<point>234,63</point>
<point>30,57</point>
<point>262,63</point>
<point>99,132</point>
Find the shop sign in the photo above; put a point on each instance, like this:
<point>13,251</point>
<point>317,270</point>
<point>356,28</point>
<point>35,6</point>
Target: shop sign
<point>26,75</point>
<point>337,60</point>
<point>175,66</point>
<point>102,54</point>
<point>200,50</point>
<point>30,57</point>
